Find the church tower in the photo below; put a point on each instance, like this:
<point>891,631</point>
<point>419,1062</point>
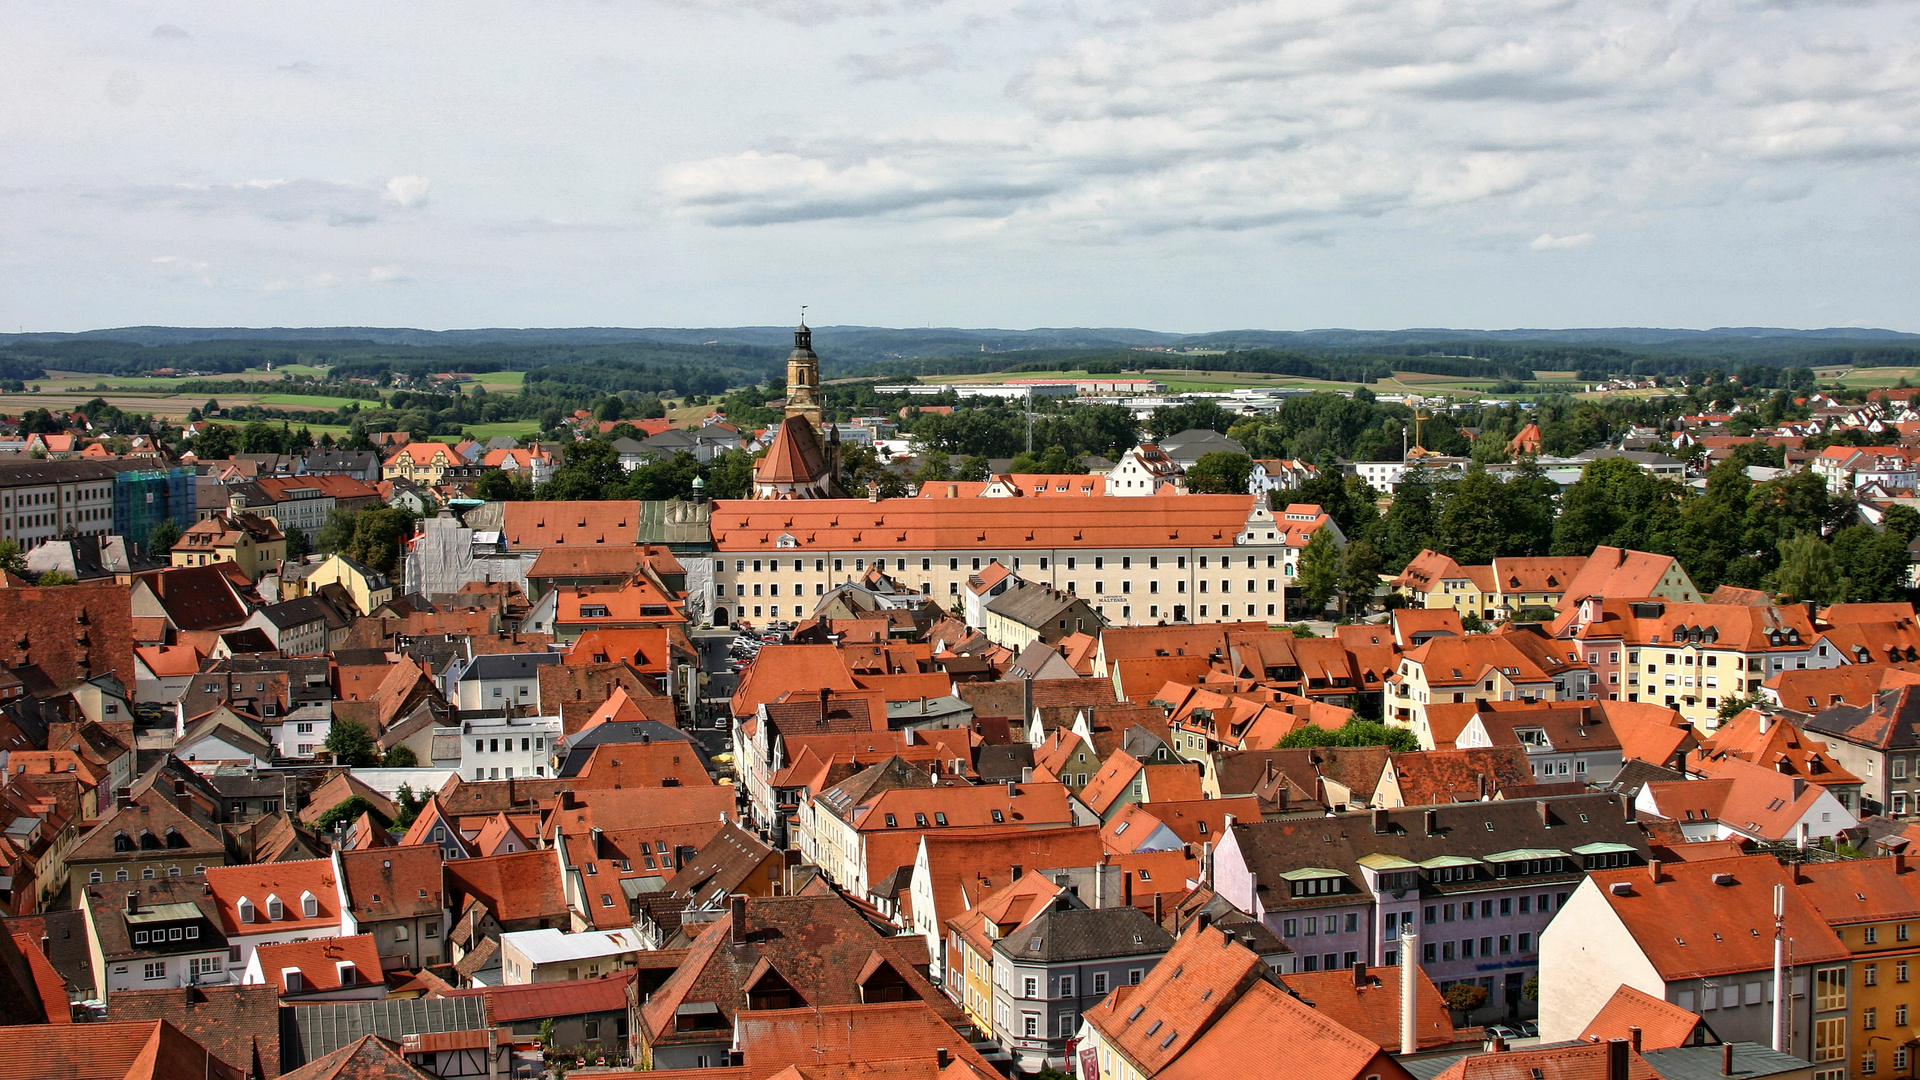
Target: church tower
<point>799,465</point>
<point>803,377</point>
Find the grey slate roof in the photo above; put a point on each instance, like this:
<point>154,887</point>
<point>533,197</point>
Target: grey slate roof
<point>1060,936</point>
<point>1892,722</point>
<point>1474,830</point>
<point>508,666</point>
<point>1750,1061</point>
<point>1032,605</point>
<point>578,747</point>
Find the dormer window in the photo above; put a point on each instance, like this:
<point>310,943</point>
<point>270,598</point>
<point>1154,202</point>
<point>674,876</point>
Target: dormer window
<point>246,910</point>
<point>295,982</point>
<point>309,906</point>
<point>276,911</point>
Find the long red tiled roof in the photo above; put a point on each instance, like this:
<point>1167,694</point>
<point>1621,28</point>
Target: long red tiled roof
<point>286,880</point>
<point>1183,521</point>
<point>1369,1004</point>
<point>318,962</point>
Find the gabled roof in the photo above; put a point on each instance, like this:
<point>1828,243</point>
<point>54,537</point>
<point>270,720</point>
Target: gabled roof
<point>1661,1024</point>
<point>318,961</point>
<point>1691,926</point>
<point>368,1058</point>
<point>138,1050</point>
<point>1064,934</point>
<point>819,946</point>
<point>1580,1061</point>
<point>393,882</point>
<point>520,886</point>
<point>290,881</point>
<point>1192,986</point>
<point>807,1040</point>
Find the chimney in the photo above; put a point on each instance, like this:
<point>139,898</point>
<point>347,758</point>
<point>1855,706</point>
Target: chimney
<point>566,799</point>
<point>1431,818</point>
<point>1019,871</point>
<point>940,1056</point>
<point>1026,774</point>
<point>1497,1045</point>
<point>1013,789</point>
<point>1200,921</point>
<point>1633,1038</point>
<point>1726,1059</point>
<point>1409,989</point>
<point>1617,1059</point>
<point>1126,889</point>
<point>1360,973</point>
<point>1765,721</point>
<point>1653,871</point>
<point>133,903</point>
<point>1799,786</point>
<point>1379,820</point>
<point>1630,811</point>
<point>737,1058</point>
<point>1546,814</point>
<point>739,919</point>
<point>1159,911</point>
<point>824,693</point>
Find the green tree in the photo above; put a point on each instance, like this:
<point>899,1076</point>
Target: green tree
<point>1408,526</point>
<point>298,546</point>
<point>406,804</point>
<point>1808,571</point>
<point>214,443</point>
<point>1617,503</point>
<point>671,478</point>
<point>730,475</point>
<point>591,470</point>
<point>351,744</point>
<point>400,757</point>
<point>498,485</point>
<point>13,560</point>
<point>1355,732</point>
<point>348,811</point>
<point>1319,570</point>
<point>336,533</point>
<point>56,577</point>
<point>378,533</point>
<point>1360,566</point>
<point>1902,521</point>
<point>974,469</point>
<point>161,538</point>
<point>1734,706</point>
<point>1873,564</point>
<point>1220,473</point>
<point>1173,419</point>
<point>260,437</point>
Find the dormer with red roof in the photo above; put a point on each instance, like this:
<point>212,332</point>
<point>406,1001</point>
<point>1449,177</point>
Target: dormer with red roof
<point>327,969</point>
<point>272,903</point>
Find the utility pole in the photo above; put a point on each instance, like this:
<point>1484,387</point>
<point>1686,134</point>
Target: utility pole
<point>1779,969</point>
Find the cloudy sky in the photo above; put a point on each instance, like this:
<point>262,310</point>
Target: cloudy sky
<point>1171,164</point>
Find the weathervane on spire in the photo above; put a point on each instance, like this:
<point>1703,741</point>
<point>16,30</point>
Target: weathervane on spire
<point>803,314</point>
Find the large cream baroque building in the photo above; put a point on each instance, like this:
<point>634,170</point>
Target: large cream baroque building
<point>1152,558</point>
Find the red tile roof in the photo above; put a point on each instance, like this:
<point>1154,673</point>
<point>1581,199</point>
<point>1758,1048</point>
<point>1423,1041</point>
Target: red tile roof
<point>318,962</point>
<point>1577,1062</point>
<point>141,1050</point>
<point>773,1039</point>
<point>936,524</point>
<point>1690,927</point>
<point>287,880</point>
<point>523,886</point>
<point>530,526</point>
<point>1662,1024</point>
<point>1370,1005</point>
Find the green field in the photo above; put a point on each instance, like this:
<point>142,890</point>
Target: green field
<point>1867,377</point>
<point>492,379</point>
<point>310,401</point>
<point>519,429</point>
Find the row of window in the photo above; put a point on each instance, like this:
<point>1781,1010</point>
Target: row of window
<point>1505,905</point>
<point>492,746</point>
<point>953,564</point>
<point>494,773</point>
<point>147,873</point>
<point>1464,949</point>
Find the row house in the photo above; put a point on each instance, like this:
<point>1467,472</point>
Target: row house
<point>1479,882</point>
<point>46,500</point>
<point>837,827</point>
<point>1738,800</point>
<point>1511,666</point>
<point>1701,935</point>
<point>1180,558</point>
<point>155,935</point>
<point>954,874</point>
<point>1689,657</point>
<point>1052,969</point>
<point>1570,743</point>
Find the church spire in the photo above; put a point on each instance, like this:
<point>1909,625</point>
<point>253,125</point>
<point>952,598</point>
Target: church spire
<point>803,375</point>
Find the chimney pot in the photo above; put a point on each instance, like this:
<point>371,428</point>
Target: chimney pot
<point>1431,818</point>
<point>1633,1038</point>
<point>1379,820</point>
<point>1726,1059</point>
<point>133,903</point>
<point>1359,973</point>
<point>940,1056</point>
<point>1159,912</point>
<point>1653,871</point>
<point>739,919</point>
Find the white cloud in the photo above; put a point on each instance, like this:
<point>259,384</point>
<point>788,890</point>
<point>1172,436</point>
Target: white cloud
<point>1550,242</point>
<point>408,190</point>
<point>901,63</point>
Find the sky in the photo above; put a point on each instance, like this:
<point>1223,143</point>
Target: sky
<point>1179,165</point>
